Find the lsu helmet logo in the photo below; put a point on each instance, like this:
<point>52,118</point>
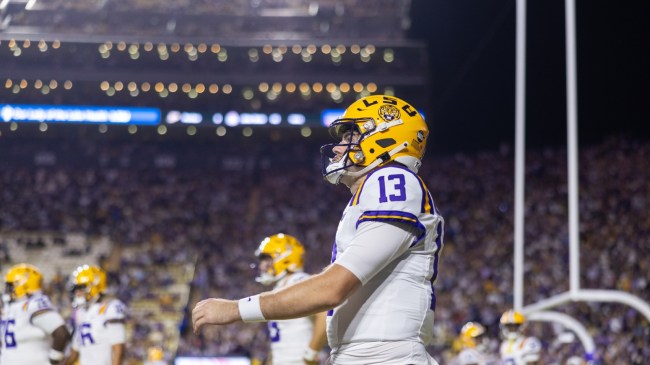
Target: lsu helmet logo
<point>389,113</point>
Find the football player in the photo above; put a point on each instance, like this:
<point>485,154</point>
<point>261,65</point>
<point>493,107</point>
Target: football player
<point>100,335</point>
<point>516,348</point>
<point>293,341</point>
<point>475,346</point>
<point>386,253</point>
<point>31,331</point>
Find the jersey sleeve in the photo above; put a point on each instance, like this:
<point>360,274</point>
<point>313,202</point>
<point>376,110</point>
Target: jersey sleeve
<point>116,311</point>
<point>48,321</point>
<point>374,246</point>
<point>114,321</point>
<point>531,350</point>
<point>38,304</point>
<point>393,194</point>
<point>467,357</point>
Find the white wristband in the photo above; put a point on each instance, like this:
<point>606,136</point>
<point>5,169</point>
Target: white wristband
<point>55,355</point>
<point>310,354</point>
<point>250,310</point>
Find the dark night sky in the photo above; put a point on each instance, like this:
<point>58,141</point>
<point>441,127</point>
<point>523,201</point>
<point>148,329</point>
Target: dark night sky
<point>472,56</point>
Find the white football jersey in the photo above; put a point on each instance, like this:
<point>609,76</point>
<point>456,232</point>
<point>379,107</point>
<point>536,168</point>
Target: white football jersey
<point>97,328</point>
<point>23,342</point>
<point>475,357</point>
<point>289,338</point>
<point>520,351</point>
<point>398,303</point>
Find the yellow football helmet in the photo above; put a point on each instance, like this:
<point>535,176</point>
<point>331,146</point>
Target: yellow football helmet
<point>389,129</point>
<point>286,253</point>
<point>511,323</point>
<point>91,278</point>
<point>470,334</point>
<point>23,279</point>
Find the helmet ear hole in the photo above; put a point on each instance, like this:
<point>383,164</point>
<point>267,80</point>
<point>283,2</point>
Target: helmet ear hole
<point>385,142</point>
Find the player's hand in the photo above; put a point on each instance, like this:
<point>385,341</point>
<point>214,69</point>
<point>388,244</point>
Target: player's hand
<point>214,311</point>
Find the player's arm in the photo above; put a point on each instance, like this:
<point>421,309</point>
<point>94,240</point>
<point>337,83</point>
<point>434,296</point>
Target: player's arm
<point>316,294</point>
<point>318,338</point>
<point>51,322</point>
<point>375,245</point>
<point>72,358</point>
<point>117,354</point>
<point>532,348</point>
<point>116,332</point>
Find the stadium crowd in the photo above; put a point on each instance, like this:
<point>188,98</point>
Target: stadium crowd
<point>217,201</point>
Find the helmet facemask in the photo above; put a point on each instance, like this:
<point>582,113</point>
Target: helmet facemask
<point>267,275</point>
<point>347,133</point>
<point>9,295</point>
<point>510,331</point>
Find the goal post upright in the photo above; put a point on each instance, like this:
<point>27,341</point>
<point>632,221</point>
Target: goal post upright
<point>536,311</point>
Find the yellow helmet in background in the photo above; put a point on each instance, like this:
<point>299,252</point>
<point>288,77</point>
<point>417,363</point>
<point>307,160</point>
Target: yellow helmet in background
<point>90,277</point>
<point>511,323</point>
<point>389,129</point>
<point>286,253</point>
<point>511,316</point>
<point>155,353</point>
<point>23,279</point>
<point>470,332</point>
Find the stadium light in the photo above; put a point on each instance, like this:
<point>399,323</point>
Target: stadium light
<point>30,4</point>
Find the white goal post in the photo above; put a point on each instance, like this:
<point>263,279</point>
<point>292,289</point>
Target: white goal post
<point>575,293</point>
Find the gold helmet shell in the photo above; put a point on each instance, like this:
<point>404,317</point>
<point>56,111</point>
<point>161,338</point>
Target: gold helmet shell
<point>470,332</point>
<point>511,323</point>
<point>92,277</point>
<point>23,279</point>
<point>389,129</point>
<point>286,253</point>
<point>512,316</point>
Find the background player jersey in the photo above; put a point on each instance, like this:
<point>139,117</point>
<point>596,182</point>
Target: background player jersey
<point>22,342</point>
<point>520,351</point>
<point>290,338</point>
<point>475,357</point>
<point>99,327</point>
<point>397,303</point>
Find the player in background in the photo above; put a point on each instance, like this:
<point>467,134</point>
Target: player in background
<point>32,332</point>
<point>475,346</point>
<point>517,348</point>
<point>293,341</point>
<point>100,334</point>
<point>385,259</point>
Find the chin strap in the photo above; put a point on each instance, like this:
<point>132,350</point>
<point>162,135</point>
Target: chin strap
<point>380,160</point>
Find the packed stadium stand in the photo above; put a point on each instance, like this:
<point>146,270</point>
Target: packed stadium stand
<point>187,231</point>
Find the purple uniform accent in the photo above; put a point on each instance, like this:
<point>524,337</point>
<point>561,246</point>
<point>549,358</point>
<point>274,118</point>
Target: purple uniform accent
<point>437,254</point>
<point>333,252</point>
<point>433,297</point>
<point>393,216</point>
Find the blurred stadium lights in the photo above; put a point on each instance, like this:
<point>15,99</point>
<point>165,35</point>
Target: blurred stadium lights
<point>248,56</point>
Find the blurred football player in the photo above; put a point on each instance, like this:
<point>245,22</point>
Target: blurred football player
<point>517,348</point>
<point>100,333</point>
<point>293,341</point>
<point>379,287</point>
<point>575,360</point>
<point>31,331</point>
<point>475,346</point>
